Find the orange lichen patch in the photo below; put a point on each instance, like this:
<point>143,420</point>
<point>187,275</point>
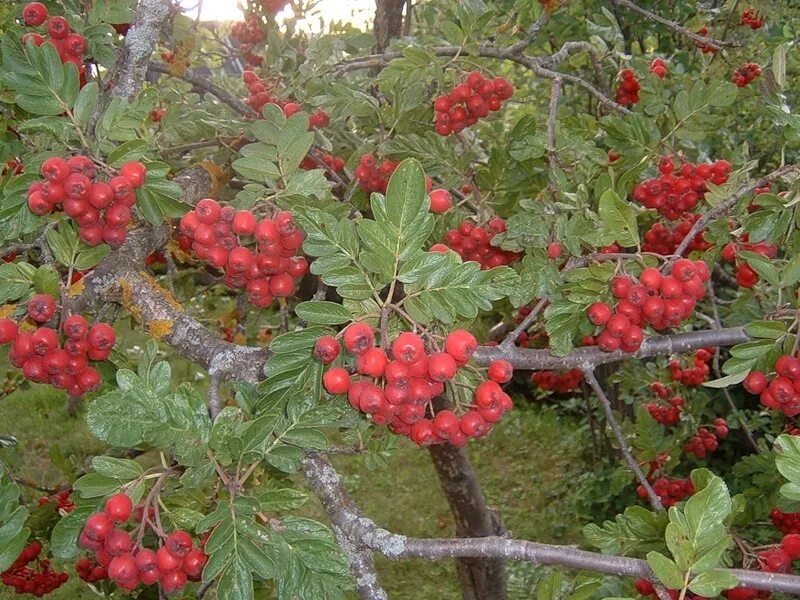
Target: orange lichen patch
<point>6,310</point>
<point>219,176</point>
<point>127,299</point>
<point>174,248</point>
<point>77,288</point>
<point>240,339</point>
<point>160,328</point>
<point>171,300</point>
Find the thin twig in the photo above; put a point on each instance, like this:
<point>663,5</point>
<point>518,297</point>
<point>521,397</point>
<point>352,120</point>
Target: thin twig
<point>655,501</point>
<point>511,338</point>
<point>555,96</point>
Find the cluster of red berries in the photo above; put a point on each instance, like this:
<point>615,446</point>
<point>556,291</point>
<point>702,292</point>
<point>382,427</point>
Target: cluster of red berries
<point>266,272</point>
<point>249,33</point>
<point>331,162</point>
<point>663,239</point>
<point>669,490</point>
<point>752,19</point>
<point>628,88</point>
<point>695,375</point>
<point>786,523</point>
<point>771,560</point>
<point>273,7</point>
<point>560,382</point>
<point>398,392</point>
<point>157,114</point>
<point>61,499</point>
<point>469,101</point>
<point>666,414</point>
<point>705,441</point>
<point>658,300</point>
<point>705,49</point>
<point>261,93</point>
<point>128,563</point>
<point>102,209</point>
<point>645,588</point>
<point>374,177</point>
<point>746,277</point>
<point>659,68</point>
<point>745,74</point>
<point>678,191</point>
<point>37,581</point>
<point>70,46</point>
<point>473,242</point>
<point>42,360</point>
<point>781,390</point>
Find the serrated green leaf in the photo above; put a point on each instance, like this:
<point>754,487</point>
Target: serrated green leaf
<point>619,217</point>
<point>711,583</point>
<point>323,312</point>
<point>666,570</point>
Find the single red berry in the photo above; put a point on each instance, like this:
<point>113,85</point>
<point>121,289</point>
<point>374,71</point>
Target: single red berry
<point>208,211</point>
<point>441,366</point>
<point>98,527</point>
<point>326,349</point>
<point>8,331</point>
<point>167,562</point>
<point>408,348</point>
<point>372,362</point>
<point>57,28</point>
<point>554,250</point>
<point>178,543</point>
<point>441,201</point>
<point>173,581</point>
<point>336,381</point>
<point>755,382</point>
<point>34,14</point>
<point>118,542</point>
<point>41,308</point>
<point>122,568</point>
<point>358,337</point>
<point>500,371</point>
<point>460,344</point>
<point>102,337</point>
<point>599,313</point>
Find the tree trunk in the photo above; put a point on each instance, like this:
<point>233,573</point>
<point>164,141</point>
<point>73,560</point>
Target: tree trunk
<point>481,579</point>
<point>388,22</point>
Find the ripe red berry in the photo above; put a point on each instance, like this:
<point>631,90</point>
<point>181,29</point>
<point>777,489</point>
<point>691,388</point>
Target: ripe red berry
<point>460,344</point>
<point>441,201</point>
<point>122,568</point>
<point>41,308</point>
<point>118,508</point>
<point>55,169</point>
<point>336,381</point>
<point>118,542</point>
<point>500,371</point>
<point>34,14</point>
<point>208,211</point>
<point>101,337</point>
<point>173,581</point>
<point>554,250</point>
<point>98,527</point>
<point>178,543</point>
<point>408,348</point>
<point>57,28</point>
<point>599,313</point>
<point>135,172</point>
<point>326,349</point>
<point>194,562</point>
<point>8,331</point>
<point>167,562</point>
<point>372,362</point>
<point>244,223</point>
<point>755,382</point>
<point>791,545</point>
<point>441,366</point>
<point>358,337</point>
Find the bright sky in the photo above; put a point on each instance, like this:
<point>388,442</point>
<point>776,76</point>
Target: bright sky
<point>355,11</point>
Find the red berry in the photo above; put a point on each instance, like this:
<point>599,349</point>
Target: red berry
<point>442,366</point>
<point>8,331</point>
<point>118,542</point>
<point>41,308</point>
<point>34,14</point>
<point>194,562</point>
<point>755,382</point>
<point>118,508</point>
<point>358,337</point>
<point>408,348</point>
<point>167,562</point>
<point>178,543</point>
<point>101,337</point>
<point>554,250</point>
<point>336,381</point>
<point>98,527</point>
<point>122,568</point>
<point>599,313</point>
<point>501,371</point>
<point>208,211</point>
<point>135,172</point>
<point>326,349</point>
<point>441,201</point>
<point>460,344</point>
<point>244,223</point>
<point>57,28</point>
<point>372,362</point>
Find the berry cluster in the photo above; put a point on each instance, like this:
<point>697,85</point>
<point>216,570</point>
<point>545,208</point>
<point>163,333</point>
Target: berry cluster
<point>703,47</point>
<point>678,191</point>
<point>666,414</point>
<point>469,101</point>
<point>628,89</point>
<point>786,523</point>
<point>102,209</point>
<point>472,242</point>
<point>780,390</point>
<point>746,277</point>
<point>41,359</point>
<point>407,384</point>
<point>273,7</point>
<point>70,46</point>
<point>38,581</point>
<point>373,177</point>
<point>706,441</point>
<point>645,588</point>
<point>261,93</point>
<point>128,563</point>
<point>332,164</point>
<point>248,34</point>
<point>752,19</point>
<point>61,499</point>
<point>772,560</point>
<point>745,74</point>
<point>266,272</point>
<point>659,68</point>
<point>658,300</point>
<point>669,490</point>
<point>663,239</point>
<point>560,382</point>
<point>695,375</point>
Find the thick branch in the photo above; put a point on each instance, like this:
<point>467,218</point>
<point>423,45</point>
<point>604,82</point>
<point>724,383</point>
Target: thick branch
<point>140,41</point>
<point>204,84</point>
<point>655,501</point>
<point>590,357</point>
<point>347,519</point>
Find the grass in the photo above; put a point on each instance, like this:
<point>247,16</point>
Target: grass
<point>525,466</point>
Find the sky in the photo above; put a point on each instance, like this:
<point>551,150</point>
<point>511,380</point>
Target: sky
<point>330,10</point>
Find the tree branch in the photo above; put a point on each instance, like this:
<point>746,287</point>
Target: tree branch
<point>590,357</point>
<point>555,96</point>
<point>675,26</point>
<point>204,84</point>
<point>655,501</point>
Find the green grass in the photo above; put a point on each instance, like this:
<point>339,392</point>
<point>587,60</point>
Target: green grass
<point>525,466</point>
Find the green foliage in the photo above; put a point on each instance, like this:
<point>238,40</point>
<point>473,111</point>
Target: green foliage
<point>13,533</point>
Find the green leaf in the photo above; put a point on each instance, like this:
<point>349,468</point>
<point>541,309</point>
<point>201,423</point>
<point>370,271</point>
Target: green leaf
<point>118,468</point>
<point>46,280</point>
<point>323,312</point>
<point>619,217</point>
<point>707,509</point>
<point>95,485</point>
<point>666,570</point>
<point>773,330</point>
<point>128,151</point>
<point>13,515</point>
<point>726,381</point>
<point>282,500</point>
<point>761,265</point>
<point>64,537</point>
<point>85,103</point>
<point>711,583</point>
